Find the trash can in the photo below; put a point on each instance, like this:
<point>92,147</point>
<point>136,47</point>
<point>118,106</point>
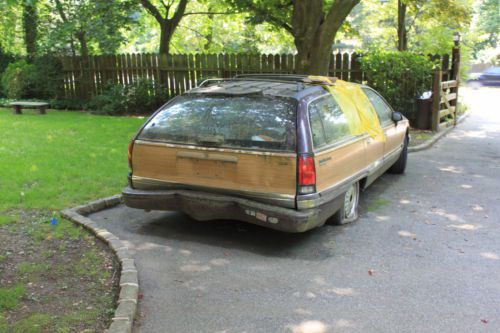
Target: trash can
<point>424,111</point>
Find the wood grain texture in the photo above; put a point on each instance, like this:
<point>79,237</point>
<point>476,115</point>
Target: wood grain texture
<point>250,172</point>
<point>334,166</point>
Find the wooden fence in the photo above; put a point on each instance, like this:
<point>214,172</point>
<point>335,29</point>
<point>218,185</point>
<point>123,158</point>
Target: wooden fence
<point>172,75</point>
<point>445,95</point>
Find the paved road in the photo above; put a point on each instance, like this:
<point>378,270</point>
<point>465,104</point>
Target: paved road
<point>423,257</point>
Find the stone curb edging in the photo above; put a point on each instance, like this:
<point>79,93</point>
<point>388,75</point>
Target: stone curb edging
<point>129,283</point>
<point>436,137</point>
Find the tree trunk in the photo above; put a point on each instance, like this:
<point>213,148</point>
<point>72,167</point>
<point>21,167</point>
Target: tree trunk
<point>30,24</point>
<point>166,33</point>
<point>84,50</point>
<point>402,32</point>
<point>314,32</point>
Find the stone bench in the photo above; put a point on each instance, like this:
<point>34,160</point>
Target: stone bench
<point>18,106</point>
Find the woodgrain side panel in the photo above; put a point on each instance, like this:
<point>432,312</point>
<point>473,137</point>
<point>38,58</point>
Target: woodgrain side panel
<point>220,169</point>
<point>334,166</point>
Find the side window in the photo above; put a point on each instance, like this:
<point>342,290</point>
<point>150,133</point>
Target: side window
<point>328,123</point>
<point>384,111</point>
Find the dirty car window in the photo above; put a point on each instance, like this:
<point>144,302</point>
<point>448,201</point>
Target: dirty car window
<point>253,122</point>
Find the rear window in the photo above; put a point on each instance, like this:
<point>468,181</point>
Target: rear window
<point>251,122</point>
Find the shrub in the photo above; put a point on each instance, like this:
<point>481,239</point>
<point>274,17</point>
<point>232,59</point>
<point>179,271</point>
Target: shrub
<point>66,104</point>
<point>137,98</point>
<point>46,78</point>
<point>400,77</point>
<point>5,60</point>
<point>17,79</point>
<point>111,101</point>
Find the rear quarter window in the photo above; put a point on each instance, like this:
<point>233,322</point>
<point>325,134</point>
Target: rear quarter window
<point>249,122</point>
<point>328,123</point>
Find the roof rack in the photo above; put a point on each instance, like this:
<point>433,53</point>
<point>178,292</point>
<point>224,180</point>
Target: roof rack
<point>287,77</point>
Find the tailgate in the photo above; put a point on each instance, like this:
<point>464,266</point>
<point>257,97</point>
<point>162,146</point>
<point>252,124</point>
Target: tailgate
<point>261,176</point>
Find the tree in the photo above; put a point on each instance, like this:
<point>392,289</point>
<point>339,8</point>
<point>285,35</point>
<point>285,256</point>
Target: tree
<point>30,27</point>
<point>312,23</point>
<point>447,13</point>
<point>168,14</point>
<point>167,24</point>
<point>96,25</point>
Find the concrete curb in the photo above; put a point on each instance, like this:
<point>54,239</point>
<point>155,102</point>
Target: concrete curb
<point>436,137</point>
<point>129,282</point>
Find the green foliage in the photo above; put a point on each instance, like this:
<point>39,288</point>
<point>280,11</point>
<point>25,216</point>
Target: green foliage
<point>5,59</point>
<point>138,98</point>
<point>17,79</point>
<point>400,77</point>
<point>66,104</point>
<point>46,77</point>
<point>40,79</point>
<point>99,25</point>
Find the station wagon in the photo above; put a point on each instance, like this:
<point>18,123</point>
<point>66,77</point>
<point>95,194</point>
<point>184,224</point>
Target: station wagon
<point>273,150</point>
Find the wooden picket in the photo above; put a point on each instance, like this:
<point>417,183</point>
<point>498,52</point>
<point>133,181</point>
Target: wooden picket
<point>172,75</point>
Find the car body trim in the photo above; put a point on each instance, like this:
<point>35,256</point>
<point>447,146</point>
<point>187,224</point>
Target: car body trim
<point>283,200</point>
<point>222,150</point>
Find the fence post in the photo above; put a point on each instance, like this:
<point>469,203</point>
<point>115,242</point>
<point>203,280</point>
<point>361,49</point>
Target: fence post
<point>436,98</point>
<point>455,72</point>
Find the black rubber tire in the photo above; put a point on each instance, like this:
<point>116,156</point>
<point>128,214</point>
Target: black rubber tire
<point>399,166</point>
<point>339,217</point>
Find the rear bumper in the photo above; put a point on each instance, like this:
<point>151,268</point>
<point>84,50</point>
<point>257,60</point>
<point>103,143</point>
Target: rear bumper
<point>209,206</point>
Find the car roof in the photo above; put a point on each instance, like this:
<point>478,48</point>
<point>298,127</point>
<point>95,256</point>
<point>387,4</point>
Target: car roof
<point>292,86</point>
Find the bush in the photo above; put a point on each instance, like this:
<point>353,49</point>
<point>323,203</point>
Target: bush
<point>138,98</point>
<point>5,60</point>
<point>17,79</point>
<point>400,77</point>
<point>46,78</point>
<point>66,104</point>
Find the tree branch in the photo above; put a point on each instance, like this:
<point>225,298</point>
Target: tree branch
<point>210,13</point>
<point>152,10</point>
<point>179,12</point>
<point>60,9</point>
<point>338,12</point>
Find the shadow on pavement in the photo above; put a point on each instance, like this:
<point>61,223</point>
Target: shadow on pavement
<point>225,234</point>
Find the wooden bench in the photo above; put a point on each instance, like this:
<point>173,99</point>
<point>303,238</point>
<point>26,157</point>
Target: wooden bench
<point>18,106</point>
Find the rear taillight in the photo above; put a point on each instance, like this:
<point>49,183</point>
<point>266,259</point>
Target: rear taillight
<point>130,148</point>
<point>306,175</point>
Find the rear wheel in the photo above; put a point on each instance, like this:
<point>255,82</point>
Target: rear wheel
<point>400,166</point>
<point>349,210</point>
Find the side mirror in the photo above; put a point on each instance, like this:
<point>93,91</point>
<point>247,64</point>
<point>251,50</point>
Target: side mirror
<point>397,117</point>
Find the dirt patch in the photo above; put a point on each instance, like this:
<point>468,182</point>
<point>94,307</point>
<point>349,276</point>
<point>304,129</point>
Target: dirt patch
<point>54,277</point>
<point>419,137</point>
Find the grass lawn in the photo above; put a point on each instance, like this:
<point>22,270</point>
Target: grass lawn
<point>57,278</point>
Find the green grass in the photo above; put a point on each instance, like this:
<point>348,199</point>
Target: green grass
<point>9,297</point>
<point>61,159</point>
<point>47,163</point>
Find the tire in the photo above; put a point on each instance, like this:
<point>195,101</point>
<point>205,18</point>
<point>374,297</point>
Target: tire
<point>399,166</point>
<point>349,211</point>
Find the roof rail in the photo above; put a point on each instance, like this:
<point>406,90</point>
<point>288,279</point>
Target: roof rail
<point>288,77</point>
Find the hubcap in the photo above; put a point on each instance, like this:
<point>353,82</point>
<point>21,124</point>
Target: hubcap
<point>350,202</point>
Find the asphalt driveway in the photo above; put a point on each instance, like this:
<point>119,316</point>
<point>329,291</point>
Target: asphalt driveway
<point>423,257</point>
